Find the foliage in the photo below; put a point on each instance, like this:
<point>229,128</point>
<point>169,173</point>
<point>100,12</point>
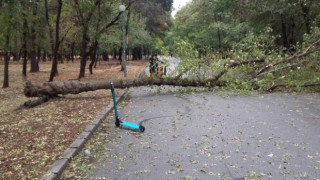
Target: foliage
<point>213,37</point>
<point>253,48</point>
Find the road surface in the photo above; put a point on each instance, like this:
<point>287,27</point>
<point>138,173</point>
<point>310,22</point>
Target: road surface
<point>205,136</point>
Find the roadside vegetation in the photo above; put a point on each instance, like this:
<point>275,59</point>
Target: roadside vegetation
<point>266,46</point>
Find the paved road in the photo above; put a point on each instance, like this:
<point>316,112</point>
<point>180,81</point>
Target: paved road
<point>204,136</point>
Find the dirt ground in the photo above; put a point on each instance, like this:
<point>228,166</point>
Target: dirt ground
<point>32,139</point>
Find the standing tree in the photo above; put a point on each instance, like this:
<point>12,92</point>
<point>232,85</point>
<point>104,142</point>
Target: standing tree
<point>9,21</point>
<point>33,35</point>
<point>85,15</point>
<point>54,68</point>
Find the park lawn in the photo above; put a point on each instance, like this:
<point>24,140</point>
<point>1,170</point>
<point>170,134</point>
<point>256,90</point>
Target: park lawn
<point>32,139</point>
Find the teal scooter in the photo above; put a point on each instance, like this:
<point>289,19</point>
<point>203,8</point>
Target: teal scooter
<point>119,123</point>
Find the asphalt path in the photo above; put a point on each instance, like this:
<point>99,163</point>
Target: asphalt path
<point>205,136</point>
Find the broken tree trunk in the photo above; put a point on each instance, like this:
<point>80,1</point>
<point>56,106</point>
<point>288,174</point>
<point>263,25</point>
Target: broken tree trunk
<point>53,89</point>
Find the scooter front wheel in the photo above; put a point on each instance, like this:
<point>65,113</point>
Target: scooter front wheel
<point>142,128</point>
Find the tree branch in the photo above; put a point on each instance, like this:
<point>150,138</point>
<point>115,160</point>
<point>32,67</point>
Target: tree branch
<point>273,87</point>
<point>235,64</point>
<point>285,60</point>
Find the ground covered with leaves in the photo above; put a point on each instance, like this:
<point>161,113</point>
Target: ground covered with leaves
<point>32,139</point>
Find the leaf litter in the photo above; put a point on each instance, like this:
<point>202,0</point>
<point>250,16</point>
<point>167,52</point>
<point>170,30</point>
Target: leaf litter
<point>32,139</point>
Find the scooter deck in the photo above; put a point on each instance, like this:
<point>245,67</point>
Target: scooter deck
<point>130,125</point>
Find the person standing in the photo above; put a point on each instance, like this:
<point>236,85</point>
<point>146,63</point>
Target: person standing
<point>153,64</point>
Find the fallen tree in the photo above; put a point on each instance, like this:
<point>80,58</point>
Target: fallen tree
<point>52,89</point>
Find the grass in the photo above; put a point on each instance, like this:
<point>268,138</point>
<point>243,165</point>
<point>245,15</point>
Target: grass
<point>32,139</point>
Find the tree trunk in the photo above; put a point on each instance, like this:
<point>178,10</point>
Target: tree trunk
<point>93,60</point>
<point>120,55</point>
<point>44,56</point>
<point>25,31</point>
<point>97,59</point>
<point>60,54</point>
<point>54,67</point>
<point>284,33</point>
<point>72,51</point>
<point>83,53</point>
<point>34,63</point>
<point>114,54</point>
<point>49,26</point>
<point>39,54</point>
<point>53,89</point>
<point>6,64</point>
<point>33,54</point>
<point>105,57</point>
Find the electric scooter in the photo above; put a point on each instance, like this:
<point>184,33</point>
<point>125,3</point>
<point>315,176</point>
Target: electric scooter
<point>123,124</point>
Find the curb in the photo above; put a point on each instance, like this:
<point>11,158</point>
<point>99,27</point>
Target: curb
<point>60,165</point>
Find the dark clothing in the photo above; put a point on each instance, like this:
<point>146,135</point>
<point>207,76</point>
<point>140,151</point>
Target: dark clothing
<point>153,65</point>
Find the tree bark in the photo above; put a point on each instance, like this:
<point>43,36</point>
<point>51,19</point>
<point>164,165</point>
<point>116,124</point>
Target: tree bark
<point>83,52</point>
<point>34,103</point>
<point>6,64</point>
<point>72,51</point>
<point>25,52</point>
<point>284,33</point>
<point>115,54</point>
<point>54,68</point>
<point>93,60</point>
<point>33,54</point>
<point>53,89</point>
<point>49,26</point>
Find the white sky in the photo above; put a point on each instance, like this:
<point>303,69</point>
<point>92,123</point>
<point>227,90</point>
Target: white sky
<point>177,5</point>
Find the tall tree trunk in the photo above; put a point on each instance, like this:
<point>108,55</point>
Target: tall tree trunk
<point>44,56</point>
<point>218,19</point>
<point>54,68</point>
<point>292,40</point>
<point>120,55</point>
<point>83,53</point>
<point>72,51</point>
<point>284,33</point>
<point>114,54</point>
<point>49,26</point>
<point>93,60</point>
<point>97,59</point>
<point>39,54</point>
<point>33,55</point>
<point>33,58</point>
<point>6,64</point>
<point>105,56</point>
<point>25,31</point>
<point>127,38</point>
<point>61,54</point>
